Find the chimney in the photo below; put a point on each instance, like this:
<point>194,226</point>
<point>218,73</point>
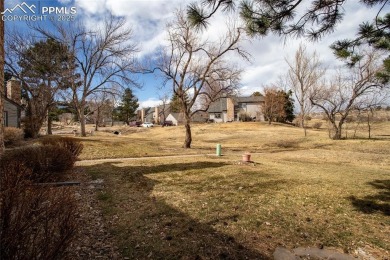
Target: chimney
<point>230,109</point>
<point>157,117</point>
<point>14,91</point>
<point>142,115</point>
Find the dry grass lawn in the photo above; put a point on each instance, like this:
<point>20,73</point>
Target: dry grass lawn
<point>300,192</point>
<point>234,138</point>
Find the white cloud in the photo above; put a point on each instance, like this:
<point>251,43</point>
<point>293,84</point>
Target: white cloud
<point>64,2</point>
<point>148,20</point>
<point>94,7</point>
<point>151,102</point>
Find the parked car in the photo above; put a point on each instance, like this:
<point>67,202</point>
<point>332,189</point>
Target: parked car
<point>147,124</point>
<point>167,123</point>
<point>135,123</point>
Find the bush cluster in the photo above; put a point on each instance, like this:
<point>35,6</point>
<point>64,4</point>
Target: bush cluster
<point>74,146</point>
<point>12,135</point>
<point>46,163</point>
<point>37,221</point>
<point>317,125</point>
<point>283,144</point>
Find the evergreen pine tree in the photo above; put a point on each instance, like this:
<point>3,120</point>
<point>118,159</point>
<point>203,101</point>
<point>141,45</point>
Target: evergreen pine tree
<point>289,106</point>
<point>175,104</point>
<point>128,107</point>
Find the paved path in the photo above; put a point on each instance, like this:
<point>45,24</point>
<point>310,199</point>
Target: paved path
<point>141,158</point>
<point>158,157</point>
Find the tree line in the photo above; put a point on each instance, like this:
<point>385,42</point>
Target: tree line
<point>95,63</point>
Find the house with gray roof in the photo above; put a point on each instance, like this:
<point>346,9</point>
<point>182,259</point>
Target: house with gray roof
<point>12,104</point>
<point>233,108</point>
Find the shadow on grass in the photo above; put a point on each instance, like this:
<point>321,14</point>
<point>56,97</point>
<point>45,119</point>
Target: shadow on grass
<point>375,203</point>
<point>146,227</point>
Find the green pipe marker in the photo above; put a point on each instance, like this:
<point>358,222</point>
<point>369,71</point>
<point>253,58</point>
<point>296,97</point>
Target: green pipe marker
<point>219,150</point>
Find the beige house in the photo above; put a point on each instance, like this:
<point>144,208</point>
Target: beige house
<point>12,104</point>
<point>179,119</point>
<point>232,108</point>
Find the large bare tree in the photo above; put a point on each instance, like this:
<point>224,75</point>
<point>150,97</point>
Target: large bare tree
<point>197,68</point>
<point>274,103</point>
<point>347,90</point>
<point>305,72</point>
<point>104,57</point>
<point>100,107</point>
<point>1,79</point>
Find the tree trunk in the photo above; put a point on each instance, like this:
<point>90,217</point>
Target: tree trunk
<point>32,127</point>
<point>1,80</point>
<point>97,120</point>
<point>303,112</point>
<point>112,118</point>
<point>82,122</point>
<point>49,125</point>
<point>369,125</point>
<point>34,120</point>
<point>188,140</point>
<point>303,123</point>
<point>337,133</point>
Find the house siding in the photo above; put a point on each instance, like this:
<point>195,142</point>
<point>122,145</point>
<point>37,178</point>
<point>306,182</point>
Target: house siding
<point>221,119</point>
<point>231,108</point>
<point>254,111</point>
<point>13,114</point>
<point>170,117</point>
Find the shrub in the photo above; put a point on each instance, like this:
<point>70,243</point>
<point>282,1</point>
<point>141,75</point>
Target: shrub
<point>317,125</point>
<point>36,222</point>
<point>284,144</point>
<point>74,146</point>
<point>12,135</point>
<point>245,117</point>
<point>297,122</point>
<point>43,161</point>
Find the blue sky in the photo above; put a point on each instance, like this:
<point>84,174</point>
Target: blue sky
<point>149,17</point>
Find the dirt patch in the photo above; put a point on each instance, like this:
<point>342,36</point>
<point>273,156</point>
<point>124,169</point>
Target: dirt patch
<point>93,240</point>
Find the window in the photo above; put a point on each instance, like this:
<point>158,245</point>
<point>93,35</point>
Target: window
<point>242,105</point>
<point>217,115</point>
<point>5,118</point>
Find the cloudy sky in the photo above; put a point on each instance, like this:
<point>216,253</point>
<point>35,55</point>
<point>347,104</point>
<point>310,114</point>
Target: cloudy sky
<point>148,19</point>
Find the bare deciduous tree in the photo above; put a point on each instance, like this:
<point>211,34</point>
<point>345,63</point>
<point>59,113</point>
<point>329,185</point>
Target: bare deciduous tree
<point>305,72</point>
<point>104,56</point>
<point>100,107</point>
<point>197,68</point>
<point>344,92</point>
<point>274,104</point>
<point>165,107</point>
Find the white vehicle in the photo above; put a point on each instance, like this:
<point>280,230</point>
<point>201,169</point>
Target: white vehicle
<point>147,124</point>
